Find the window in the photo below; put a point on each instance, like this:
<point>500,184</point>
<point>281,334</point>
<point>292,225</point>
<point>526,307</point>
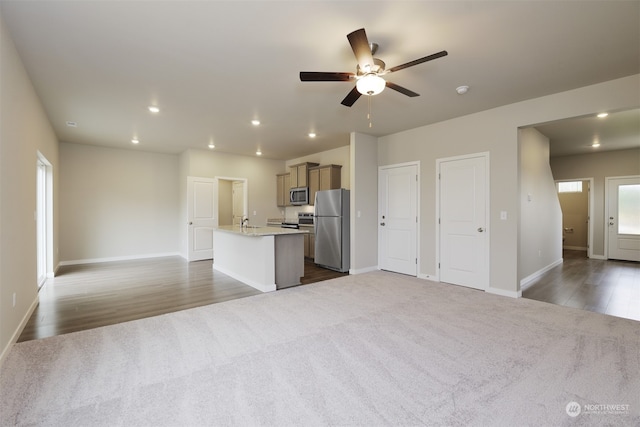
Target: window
<point>570,187</point>
<point>629,209</point>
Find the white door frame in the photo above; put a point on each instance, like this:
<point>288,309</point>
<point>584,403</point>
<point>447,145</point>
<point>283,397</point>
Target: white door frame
<point>484,154</point>
<point>607,180</point>
<point>216,190</point>
<point>47,216</point>
<point>417,195</point>
<point>589,213</point>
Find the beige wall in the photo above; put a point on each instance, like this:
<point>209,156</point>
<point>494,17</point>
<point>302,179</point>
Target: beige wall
<point>597,166</point>
<point>364,203</point>
<point>575,215</point>
<point>117,203</point>
<point>337,156</point>
<point>225,203</point>
<point>24,131</point>
<point>495,131</point>
<point>540,213</point>
<point>260,175</point>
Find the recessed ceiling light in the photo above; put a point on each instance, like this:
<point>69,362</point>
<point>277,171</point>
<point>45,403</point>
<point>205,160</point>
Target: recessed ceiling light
<point>154,109</point>
<point>211,145</point>
<point>603,115</point>
<point>135,141</point>
<point>255,122</point>
<point>595,145</point>
<point>462,90</point>
<point>72,124</point>
<point>312,135</point>
<point>258,153</point>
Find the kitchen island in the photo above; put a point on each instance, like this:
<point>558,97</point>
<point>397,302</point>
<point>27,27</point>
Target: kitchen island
<point>266,258</point>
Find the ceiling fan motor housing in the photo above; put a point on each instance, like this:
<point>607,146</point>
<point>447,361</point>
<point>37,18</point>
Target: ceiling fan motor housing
<point>377,68</point>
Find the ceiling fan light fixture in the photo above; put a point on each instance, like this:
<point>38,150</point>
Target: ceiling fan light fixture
<point>370,84</point>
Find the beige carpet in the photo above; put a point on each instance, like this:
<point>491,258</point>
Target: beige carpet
<point>368,350</point>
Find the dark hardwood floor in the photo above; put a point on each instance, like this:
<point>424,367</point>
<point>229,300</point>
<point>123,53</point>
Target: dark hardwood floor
<point>604,286</point>
<point>92,295</point>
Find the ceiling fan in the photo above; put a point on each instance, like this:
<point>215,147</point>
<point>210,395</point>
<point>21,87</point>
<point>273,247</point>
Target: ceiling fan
<point>369,72</point>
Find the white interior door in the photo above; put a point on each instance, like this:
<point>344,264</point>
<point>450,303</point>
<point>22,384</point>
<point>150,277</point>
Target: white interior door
<point>398,219</point>
<point>623,219</point>
<point>201,217</point>
<point>238,202</point>
<point>464,238</point>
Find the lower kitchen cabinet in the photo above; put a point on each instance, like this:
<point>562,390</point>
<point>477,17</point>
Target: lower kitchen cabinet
<point>310,245</point>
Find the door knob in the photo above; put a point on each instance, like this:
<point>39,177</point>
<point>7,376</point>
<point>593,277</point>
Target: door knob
<point>480,229</point>
<point>382,224</point>
<point>190,223</point>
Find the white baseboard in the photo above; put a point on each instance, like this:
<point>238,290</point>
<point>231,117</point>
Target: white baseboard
<point>121,258</point>
<point>504,293</point>
<point>16,334</point>
<point>575,248</point>
<point>363,270</point>
<point>527,281</point>
<point>598,257</point>
<point>432,277</point>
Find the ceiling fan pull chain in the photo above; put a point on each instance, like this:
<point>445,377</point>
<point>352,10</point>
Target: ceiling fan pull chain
<point>369,113</point>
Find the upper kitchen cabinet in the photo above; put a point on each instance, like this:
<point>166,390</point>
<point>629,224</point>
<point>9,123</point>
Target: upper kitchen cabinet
<point>323,178</point>
<point>282,194</point>
<point>300,174</point>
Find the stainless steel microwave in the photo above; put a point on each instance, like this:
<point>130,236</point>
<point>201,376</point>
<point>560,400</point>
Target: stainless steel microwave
<point>299,196</point>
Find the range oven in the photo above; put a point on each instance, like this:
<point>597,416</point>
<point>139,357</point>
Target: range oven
<point>305,218</point>
<point>299,196</point>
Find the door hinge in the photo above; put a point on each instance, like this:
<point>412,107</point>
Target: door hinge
<point>438,266</point>
<point>416,261</point>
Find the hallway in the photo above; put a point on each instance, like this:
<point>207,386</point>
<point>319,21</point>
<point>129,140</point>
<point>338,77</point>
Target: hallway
<point>603,286</point>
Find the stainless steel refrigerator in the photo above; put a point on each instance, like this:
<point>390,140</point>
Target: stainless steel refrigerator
<point>331,223</point>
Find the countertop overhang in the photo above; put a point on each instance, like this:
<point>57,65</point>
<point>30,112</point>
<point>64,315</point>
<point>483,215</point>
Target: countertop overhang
<point>259,231</point>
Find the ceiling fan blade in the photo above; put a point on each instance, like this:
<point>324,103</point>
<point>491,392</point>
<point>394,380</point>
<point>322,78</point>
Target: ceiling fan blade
<point>317,76</point>
<point>419,61</point>
<point>361,49</point>
<point>402,90</point>
<point>351,98</point>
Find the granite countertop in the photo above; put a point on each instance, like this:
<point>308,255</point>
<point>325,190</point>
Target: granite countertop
<point>255,231</point>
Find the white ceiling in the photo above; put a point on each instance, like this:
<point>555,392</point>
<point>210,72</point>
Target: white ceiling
<point>212,66</point>
<point>618,131</point>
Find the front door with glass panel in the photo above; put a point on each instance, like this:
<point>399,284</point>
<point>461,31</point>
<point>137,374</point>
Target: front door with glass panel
<point>623,218</point>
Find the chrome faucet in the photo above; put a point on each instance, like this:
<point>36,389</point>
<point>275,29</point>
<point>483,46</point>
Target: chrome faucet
<point>245,222</point>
